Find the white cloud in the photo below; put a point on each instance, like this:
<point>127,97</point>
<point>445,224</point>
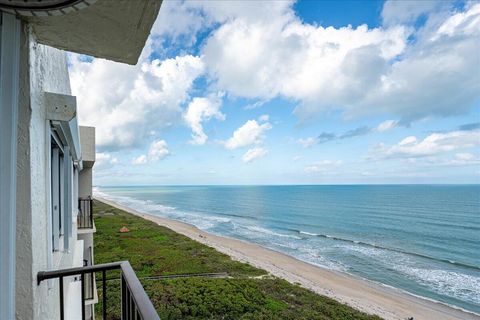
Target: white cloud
<point>433,144</point>
<point>261,50</point>
<point>250,133</point>
<point>186,18</point>
<point>308,142</point>
<point>125,103</point>
<point>407,12</point>
<point>158,150</point>
<point>444,160</point>
<point>255,105</point>
<point>465,23</point>
<point>415,87</point>
<point>465,158</point>
<point>458,159</point>
<point>387,125</point>
<point>284,57</point>
<point>252,11</point>
<point>199,110</point>
<point>264,118</point>
<point>324,137</point>
<point>408,141</point>
<point>367,173</point>
<point>253,154</point>
<point>177,18</point>
<point>103,159</point>
<point>142,159</point>
<point>324,166</point>
<point>359,70</point>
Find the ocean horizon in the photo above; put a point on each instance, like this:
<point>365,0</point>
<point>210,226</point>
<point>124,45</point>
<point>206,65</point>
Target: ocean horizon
<point>423,239</point>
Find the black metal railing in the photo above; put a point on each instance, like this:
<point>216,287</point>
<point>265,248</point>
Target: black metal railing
<point>85,213</point>
<point>135,302</point>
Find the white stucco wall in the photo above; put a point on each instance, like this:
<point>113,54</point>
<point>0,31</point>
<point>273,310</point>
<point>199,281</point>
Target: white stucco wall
<point>85,183</point>
<point>42,69</point>
<point>24,276</point>
<point>87,141</point>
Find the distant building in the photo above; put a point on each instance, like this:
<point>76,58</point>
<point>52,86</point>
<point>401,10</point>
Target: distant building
<point>46,159</point>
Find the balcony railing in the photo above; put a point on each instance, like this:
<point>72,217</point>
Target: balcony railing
<point>85,213</point>
<point>135,302</point>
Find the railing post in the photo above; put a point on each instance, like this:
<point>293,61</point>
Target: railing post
<point>91,213</point>
<point>83,296</point>
<point>104,294</point>
<point>127,302</point>
<point>80,216</point>
<point>124,294</point>
<point>62,313</point>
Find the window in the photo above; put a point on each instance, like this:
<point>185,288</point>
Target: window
<point>61,167</point>
<point>57,185</point>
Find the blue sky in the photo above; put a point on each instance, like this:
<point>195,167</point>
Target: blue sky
<point>306,92</point>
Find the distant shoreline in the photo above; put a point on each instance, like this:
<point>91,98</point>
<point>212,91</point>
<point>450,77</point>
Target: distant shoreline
<point>364,295</point>
<point>288,185</point>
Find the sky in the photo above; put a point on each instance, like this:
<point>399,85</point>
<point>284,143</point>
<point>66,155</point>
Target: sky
<point>290,92</point>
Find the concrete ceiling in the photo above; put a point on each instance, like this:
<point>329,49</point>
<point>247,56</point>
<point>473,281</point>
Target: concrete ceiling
<point>113,30</point>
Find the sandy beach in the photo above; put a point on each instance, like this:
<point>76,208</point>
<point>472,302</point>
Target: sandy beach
<point>370,297</point>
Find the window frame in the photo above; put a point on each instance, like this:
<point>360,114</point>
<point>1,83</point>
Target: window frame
<point>57,186</point>
<point>60,188</point>
<point>10,29</point>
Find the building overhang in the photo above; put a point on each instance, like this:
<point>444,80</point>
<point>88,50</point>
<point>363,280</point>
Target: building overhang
<point>114,30</point>
<point>62,112</point>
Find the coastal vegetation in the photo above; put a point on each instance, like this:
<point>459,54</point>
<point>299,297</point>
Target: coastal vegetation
<point>240,291</point>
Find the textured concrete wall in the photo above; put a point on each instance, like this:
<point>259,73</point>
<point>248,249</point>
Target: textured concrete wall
<point>24,277</point>
<point>114,30</point>
<point>87,141</point>
<point>43,69</point>
<point>87,244</point>
<point>85,183</point>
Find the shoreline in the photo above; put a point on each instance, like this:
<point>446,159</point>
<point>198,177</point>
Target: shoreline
<point>362,294</point>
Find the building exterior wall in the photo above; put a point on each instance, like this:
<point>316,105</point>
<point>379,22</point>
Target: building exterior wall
<point>85,183</point>
<point>87,139</point>
<point>42,69</point>
<point>24,275</point>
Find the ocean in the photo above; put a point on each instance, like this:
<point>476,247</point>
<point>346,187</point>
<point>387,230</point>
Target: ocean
<point>423,239</point>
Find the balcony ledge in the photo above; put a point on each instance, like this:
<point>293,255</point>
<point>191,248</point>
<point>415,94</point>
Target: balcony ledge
<point>87,230</point>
